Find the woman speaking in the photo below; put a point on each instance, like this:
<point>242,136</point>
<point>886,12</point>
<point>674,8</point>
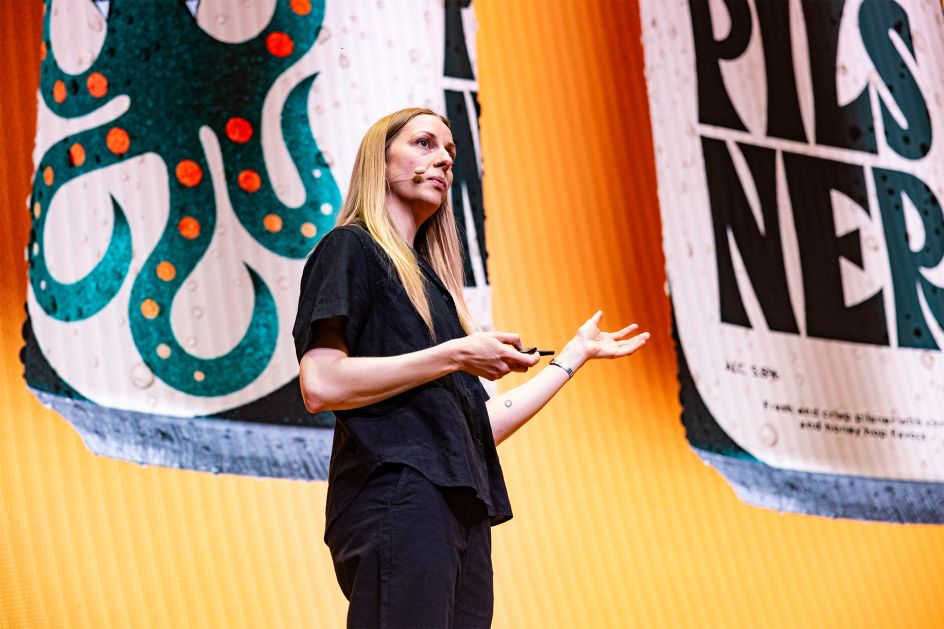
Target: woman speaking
<point>385,340</point>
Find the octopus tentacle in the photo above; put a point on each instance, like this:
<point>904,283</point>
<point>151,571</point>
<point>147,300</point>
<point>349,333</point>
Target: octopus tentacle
<point>66,160</point>
<point>291,232</point>
<point>79,300</point>
<point>149,314</point>
<point>184,242</point>
<point>73,95</point>
<point>148,48</point>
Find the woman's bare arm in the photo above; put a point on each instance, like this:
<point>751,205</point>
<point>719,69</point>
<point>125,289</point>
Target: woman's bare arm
<point>332,380</point>
<point>511,410</point>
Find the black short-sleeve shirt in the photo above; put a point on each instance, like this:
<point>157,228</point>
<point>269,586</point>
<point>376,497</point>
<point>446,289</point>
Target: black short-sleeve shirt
<point>441,428</point>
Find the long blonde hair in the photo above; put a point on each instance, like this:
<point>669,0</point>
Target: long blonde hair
<point>437,239</point>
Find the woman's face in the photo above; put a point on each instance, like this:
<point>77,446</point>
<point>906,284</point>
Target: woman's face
<point>423,144</point>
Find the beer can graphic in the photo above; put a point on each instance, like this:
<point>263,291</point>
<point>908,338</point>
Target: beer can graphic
<point>801,169</point>
<point>188,158</point>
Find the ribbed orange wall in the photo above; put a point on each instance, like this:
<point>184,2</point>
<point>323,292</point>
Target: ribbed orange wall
<point>617,523</point>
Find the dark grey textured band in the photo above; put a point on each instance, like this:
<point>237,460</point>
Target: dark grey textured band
<point>220,446</point>
<point>830,495</point>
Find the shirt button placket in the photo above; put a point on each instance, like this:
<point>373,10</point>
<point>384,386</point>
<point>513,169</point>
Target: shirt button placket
<point>473,424</point>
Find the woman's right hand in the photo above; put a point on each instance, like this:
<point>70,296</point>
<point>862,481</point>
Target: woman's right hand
<point>491,355</point>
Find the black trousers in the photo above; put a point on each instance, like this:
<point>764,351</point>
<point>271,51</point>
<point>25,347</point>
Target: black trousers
<point>410,554</point>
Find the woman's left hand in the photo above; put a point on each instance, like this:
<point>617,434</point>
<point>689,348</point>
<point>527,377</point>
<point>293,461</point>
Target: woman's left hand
<point>591,342</point>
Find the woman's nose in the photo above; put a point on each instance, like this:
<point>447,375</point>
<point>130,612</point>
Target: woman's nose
<point>444,161</point>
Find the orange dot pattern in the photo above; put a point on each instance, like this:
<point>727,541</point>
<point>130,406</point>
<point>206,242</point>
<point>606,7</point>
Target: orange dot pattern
<point>167,271</point>
<point>76,154</point>
<point>301,7</point>
<point>97,84</point>
<point>42,50</point>
<point>189,173</point>
<point>150,309</point>
<point>249,180</point>
<point>37,210</point>
<point>189,227</point>
<point>272,222</point>
<point>59,91</point>
<point>279,44</point>
<point>238,130</point>
<point>118,141</point>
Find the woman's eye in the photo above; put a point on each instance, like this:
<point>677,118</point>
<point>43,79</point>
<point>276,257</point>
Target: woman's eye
<point>423,142</point>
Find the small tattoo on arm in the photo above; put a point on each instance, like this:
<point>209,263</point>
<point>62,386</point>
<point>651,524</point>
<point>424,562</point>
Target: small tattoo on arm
<point>507,403</point>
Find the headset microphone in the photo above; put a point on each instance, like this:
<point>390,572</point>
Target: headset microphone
<point>417,176</point>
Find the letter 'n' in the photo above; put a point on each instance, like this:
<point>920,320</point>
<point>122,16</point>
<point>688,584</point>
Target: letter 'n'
<point>762,252</point>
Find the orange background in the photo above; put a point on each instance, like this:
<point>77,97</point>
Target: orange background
<point>617,522</point>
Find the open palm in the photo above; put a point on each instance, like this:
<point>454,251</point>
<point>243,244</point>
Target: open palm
<point>598,344</point>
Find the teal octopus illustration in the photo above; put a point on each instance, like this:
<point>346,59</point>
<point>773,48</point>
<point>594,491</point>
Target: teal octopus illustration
<point>180,79</point>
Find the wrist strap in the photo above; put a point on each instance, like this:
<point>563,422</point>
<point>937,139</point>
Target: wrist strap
<point>557,363</point>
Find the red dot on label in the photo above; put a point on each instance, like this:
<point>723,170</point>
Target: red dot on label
<point>238,130</point>
<point>97,84</point>
<point>189,227</point>
<point>280,44</point>
<point>150,309</point>
<point>76,154</point>
<point>59,91</point>
<point>272,222</point>
<point>249,180</point>
<point>166,270</point>
<point>118,141</point>
<point>301,7</point>
<point>189,173</point>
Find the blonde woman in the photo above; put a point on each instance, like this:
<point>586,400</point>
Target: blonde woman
<point>386,341</point>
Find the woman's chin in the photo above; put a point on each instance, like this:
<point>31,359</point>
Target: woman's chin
<point>424,213</point>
